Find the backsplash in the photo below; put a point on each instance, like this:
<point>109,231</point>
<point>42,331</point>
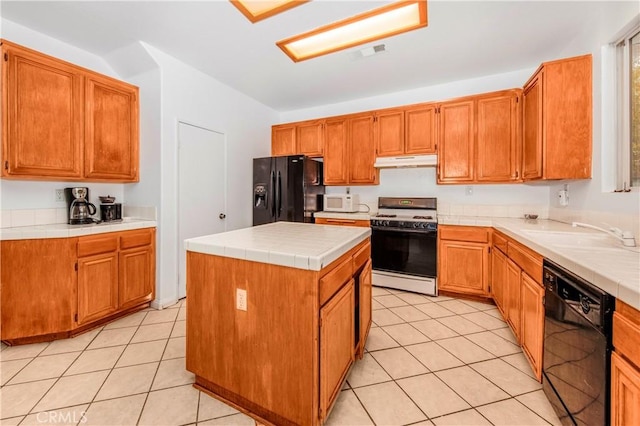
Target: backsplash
<point>31,217</point>
<point>483,210</point>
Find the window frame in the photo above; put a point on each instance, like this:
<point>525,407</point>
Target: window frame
<point>622,74</point>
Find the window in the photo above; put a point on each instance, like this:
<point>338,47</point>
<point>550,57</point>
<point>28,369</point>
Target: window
<point>628,109</point>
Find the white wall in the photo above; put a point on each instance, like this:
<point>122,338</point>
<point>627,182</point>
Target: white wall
<point>422,182</point>
<point>40,194</point>
<point>191,96</point>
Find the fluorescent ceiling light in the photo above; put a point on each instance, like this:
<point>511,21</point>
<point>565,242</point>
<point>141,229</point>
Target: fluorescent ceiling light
<point>255,10</point>
<point>386,21</point>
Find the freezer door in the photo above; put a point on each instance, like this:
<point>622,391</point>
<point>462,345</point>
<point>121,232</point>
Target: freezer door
<point>264,177</point>
<point>289,188</point>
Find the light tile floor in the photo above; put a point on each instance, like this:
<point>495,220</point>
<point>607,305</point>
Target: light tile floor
<point>439,361</point>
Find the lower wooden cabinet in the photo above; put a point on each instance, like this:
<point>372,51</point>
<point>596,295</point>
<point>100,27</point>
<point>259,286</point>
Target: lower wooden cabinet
<point>463,260</point>
<point>75,284</point>
<point>625,366</point>
<point>516,279</point>
<point>97,287</point>
<point>625,392</point>
<point>365,298</point>
<point>532,323</point>
<point>336,344</point>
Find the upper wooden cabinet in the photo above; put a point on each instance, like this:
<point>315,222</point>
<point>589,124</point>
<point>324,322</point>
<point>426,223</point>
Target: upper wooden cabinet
<point>310,138</point>
<point>389,132</point>
<point>362,151</point>
<point>407,131</point>
<point>349,151</point>
<point>111,129</point>
<point>456,142</point>
<point>420,129</point>
<point>283,140</point>
<point>61,121</point>
<point>557,141</point>
<point>42,116</point>
<point>478,138</point>
<point>304,138</point>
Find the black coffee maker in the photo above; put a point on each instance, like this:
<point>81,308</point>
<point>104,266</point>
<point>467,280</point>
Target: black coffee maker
<point>79,207</point>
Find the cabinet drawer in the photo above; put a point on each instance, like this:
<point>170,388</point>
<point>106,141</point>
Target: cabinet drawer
<point>499,242</point>
<point>89,246</point>
<point>361,256</point>
<point>626,332</point>
<point>343,222</point>
<point>135,239</point>
<point>335,279</point>
<point>528,260</point>
<point>472,234</point>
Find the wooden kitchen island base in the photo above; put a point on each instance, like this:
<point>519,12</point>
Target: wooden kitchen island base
<point>284,359</point>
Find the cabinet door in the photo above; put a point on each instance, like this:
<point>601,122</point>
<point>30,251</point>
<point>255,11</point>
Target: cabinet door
<point>336,344</point>
<point>567,109</point>
<point>42,116</point>
<point>456,142</point>
<point>136,283</point>
<point>625,392</point>
<point>310,138</point>
<point>499,279</point>
<point>111,129</point>
<point>463,267</point>
<point>336,153</point>
<point>498,135</point>
<point>283,140</point>
<point>366,295</point>
<point>389,132</point>
<point>532,323</point>
<point>532,128</point>
<point>97,286</point>
<point>513,299</point>
<point>362,153</point>
<point>420,129</point>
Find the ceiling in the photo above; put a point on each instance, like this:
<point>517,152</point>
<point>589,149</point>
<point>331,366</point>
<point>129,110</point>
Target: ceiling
<point>464,39</point>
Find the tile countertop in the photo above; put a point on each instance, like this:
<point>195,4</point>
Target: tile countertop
<point>347,216</point>
<point>590,254</point>
<point>63,230</point>
<point>296,245</point>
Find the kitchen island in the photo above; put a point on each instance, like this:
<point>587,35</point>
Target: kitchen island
<point>277,315</point>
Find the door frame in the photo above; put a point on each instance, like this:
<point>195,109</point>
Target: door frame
<point>177,186</point>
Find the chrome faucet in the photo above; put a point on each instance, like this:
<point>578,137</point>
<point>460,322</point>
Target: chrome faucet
<point>625,236</point>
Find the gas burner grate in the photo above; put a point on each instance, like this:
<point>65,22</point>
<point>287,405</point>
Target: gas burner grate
<point>423,217</point>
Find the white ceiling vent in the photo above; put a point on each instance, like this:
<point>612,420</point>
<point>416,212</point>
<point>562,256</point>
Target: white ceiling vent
<point>368,51</point>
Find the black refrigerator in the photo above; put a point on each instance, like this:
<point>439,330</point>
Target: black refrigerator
<point>286,189</point>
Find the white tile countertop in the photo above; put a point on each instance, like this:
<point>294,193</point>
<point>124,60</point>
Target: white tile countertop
<point>296,245</point>
<point>347,216</point>
<point>63,230</point>
<point>593,255</point>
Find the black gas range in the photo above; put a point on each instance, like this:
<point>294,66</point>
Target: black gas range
<point>404,244</point>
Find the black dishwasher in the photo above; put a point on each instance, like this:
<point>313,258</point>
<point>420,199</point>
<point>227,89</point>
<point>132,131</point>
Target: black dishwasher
<point>577,347</point>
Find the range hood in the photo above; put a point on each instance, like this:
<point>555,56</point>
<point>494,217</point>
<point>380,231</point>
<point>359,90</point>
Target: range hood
<point>406,161</point>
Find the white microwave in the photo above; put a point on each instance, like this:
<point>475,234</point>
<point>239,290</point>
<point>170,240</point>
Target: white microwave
<point>345,203</point>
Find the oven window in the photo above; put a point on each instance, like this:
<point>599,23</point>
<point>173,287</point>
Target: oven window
<point>406,252</point>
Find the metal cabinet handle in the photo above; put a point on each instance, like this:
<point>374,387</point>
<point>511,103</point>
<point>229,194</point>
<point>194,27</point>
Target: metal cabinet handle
<point>222,215</point>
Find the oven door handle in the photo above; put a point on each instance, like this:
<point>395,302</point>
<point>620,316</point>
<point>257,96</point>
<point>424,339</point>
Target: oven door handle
<point>406,230</point>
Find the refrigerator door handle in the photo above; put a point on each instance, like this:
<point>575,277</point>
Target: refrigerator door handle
<point>279,194</point>
<point>273,194</point>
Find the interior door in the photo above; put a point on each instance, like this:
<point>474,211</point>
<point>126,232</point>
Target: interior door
<point>201,188</point>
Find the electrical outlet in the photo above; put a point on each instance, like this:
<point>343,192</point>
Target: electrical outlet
<point>60,195</point>
<point>241,299</point>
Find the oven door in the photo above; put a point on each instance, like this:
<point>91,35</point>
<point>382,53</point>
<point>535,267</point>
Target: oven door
<point>405,251</point>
